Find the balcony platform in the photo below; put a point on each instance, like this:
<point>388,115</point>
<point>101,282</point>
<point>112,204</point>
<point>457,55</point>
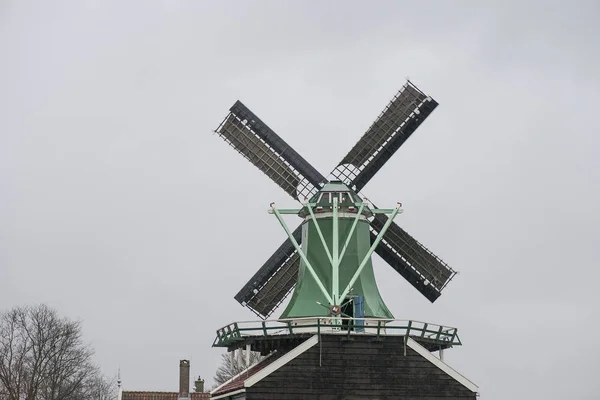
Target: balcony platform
<point>267,335</point>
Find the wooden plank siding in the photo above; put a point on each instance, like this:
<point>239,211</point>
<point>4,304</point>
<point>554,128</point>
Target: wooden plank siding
<point>360,368</point>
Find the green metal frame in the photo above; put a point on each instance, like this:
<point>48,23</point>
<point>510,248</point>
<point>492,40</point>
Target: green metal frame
<point>335,256</point>
<point>335,264</point>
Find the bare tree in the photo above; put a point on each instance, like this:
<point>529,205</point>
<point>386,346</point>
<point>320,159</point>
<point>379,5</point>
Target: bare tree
<point>43,357</point>
<point>233,363</point>
<point>99,388</point>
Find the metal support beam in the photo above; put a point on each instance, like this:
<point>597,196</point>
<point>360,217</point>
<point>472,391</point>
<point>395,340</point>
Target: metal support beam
<point>383,210</point>
<point>301,253</point>
<point>286,211</point>
<point>371,250</point>
<point>335,263</point>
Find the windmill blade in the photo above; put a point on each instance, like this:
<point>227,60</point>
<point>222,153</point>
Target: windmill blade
<point>274,280</point>
<point>276,289</point>
<point>396,123</point>
<point>252,138</point>
<point>419,266</point>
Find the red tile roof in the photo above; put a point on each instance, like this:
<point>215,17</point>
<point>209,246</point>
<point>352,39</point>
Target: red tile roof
<point>238,382</point>
<point>161,396</point>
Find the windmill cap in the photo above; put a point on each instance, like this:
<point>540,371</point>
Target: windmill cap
<point>322,201</point>
<point>335,186</point>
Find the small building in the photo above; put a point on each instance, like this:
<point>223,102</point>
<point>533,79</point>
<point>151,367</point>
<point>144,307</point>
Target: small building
<point>184,389</point>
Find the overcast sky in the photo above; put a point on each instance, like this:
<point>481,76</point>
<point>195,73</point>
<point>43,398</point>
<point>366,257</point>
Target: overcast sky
<point>120,207</point>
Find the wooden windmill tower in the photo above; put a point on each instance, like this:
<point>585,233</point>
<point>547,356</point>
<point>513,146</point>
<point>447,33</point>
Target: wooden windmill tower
<point>337,338</point>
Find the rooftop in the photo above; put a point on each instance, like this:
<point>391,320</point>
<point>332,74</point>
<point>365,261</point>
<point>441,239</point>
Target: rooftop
<point>237,382</point>
<point>160,396</point>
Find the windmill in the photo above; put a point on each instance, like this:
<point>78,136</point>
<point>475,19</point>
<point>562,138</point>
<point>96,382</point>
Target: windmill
<point>260,145</point>
<point>362,352</point>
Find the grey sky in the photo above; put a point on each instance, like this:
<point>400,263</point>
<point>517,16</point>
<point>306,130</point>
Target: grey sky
<point>118,206</point>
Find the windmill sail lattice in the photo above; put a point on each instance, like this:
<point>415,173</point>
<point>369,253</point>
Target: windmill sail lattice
<point>271,284</point>
<point>252,138</point>
<point>258,143</point>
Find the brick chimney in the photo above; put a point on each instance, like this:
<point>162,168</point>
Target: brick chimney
<point>199,385</point>
<point>184,379</point>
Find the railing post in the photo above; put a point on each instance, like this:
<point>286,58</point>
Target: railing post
<point>349,327</point>
<point>453,336</point>
<point>439,333</point>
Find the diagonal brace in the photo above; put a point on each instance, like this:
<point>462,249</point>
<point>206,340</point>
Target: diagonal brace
<point>371,249</point>
<point>356,219</point>
<point>301,253</point>
<point>318,228</point>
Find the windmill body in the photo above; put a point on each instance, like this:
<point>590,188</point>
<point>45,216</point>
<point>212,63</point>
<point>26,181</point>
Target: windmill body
<point>326,264</point>
<point>319,236</point>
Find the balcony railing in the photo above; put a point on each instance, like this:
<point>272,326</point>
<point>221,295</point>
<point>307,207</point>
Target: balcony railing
<point>424,332</point>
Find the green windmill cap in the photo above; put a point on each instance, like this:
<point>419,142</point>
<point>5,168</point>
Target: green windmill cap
<point>323,199</point>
